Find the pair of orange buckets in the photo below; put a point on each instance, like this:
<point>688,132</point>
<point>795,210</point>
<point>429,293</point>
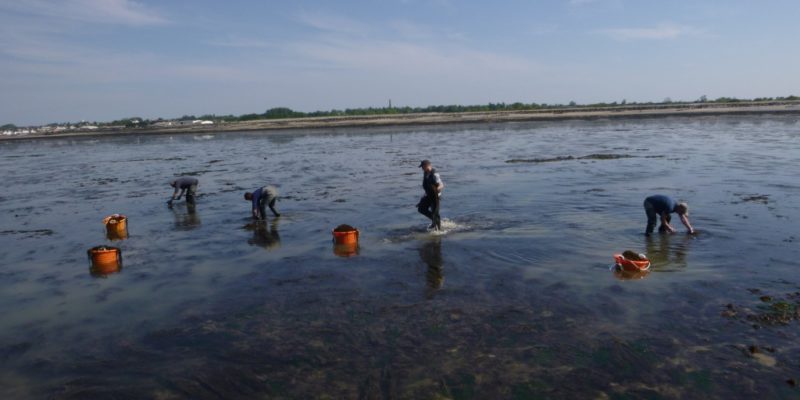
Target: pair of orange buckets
<point>116,226</point>
<point>105,260</point>
<point>345,241</point>
<point>108,259</point>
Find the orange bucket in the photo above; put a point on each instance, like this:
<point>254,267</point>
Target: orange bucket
<point>345,241</point>
<point>345,234</point>
<point>631,265</point>
<point>105,259</point>
<point>116,226</point>
<point>345,250</point>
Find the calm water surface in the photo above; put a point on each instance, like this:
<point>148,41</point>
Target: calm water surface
<point>516,300</point>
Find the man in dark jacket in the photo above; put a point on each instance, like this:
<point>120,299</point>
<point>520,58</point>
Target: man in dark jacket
<point>184,184</point>
<point>429,204</point>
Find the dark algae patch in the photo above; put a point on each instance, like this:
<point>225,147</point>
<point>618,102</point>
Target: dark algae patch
<point>569,158</point>
<point>769,311</point>
<point>754,198</point>
<point>33,233</point>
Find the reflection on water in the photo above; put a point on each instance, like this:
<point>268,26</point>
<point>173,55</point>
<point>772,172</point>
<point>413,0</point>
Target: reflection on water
<point>346,249</point>
<point>625,275</point>
<point>104,270</point>
<point>186,216</point>
<point>529,309</point>
<point>116,235</point>
<point>431,255</point>
<point>667,252</point>
<point>265,234</point>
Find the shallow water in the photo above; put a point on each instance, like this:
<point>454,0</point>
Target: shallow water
<point>516,299</point>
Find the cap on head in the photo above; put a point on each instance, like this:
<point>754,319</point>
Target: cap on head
<point>424,163</point>
<point>682,209</point>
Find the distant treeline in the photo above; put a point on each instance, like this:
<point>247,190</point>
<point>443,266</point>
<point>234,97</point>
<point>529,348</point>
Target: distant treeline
<point>283,112</point>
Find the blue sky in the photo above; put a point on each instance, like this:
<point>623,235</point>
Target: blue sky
<point>99,60</point>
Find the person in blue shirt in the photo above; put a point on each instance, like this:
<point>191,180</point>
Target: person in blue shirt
<point>429,204</point>
<point>262,197</point>
<point>660,206</point>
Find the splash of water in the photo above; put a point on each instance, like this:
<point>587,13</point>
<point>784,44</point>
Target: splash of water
<point>448,226</point>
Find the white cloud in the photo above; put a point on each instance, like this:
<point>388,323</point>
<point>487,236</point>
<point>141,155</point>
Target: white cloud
<point>126,12</point>
<point>405,58</point>
<point>659,32</point>
<point>405,49</point>
<point>332,23</point>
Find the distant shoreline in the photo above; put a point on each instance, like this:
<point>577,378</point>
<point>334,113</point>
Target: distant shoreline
<point>391,120</point>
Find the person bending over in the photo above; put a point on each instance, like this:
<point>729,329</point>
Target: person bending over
<point>261,198</point>
<point>660,206</point>
<point>184,184</point>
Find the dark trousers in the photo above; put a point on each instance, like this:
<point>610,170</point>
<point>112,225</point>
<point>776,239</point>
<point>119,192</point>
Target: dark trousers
<point>191,192</point>
<point>652,218</point>
<point>429,207</point>
<point>262,205</point>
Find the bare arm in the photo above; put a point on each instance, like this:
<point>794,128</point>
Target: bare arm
<point>255,209</point>
<point>666,224</point>
<point>686,223</point>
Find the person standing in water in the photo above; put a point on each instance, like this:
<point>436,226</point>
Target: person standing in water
<point>429,204</point>
<point>261,198</point>
<point>184,184</point>
<point>660,206</point>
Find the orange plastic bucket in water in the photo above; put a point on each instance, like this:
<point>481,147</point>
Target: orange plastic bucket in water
<point>105,259</point>
<point>116,226</point>
<point>345,241</point>
<point>631,265</point>
<point>345,234</point>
